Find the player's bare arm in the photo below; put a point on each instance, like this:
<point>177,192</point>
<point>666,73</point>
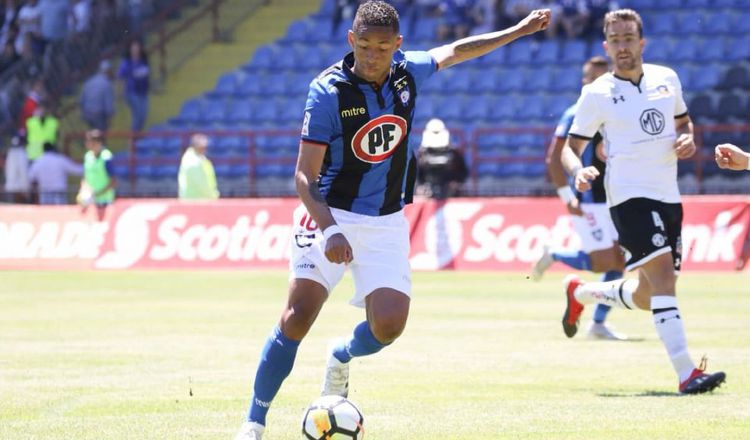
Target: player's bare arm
<point>558,177</point>
<point>684,146</point>
<point>571,161</point>
<point>731,157</point>
<point>478,45</point>
<point>309,162</point>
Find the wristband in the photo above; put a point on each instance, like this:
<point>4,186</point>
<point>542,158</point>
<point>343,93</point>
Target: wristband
<point>332,230</point>
<point>566,194</point>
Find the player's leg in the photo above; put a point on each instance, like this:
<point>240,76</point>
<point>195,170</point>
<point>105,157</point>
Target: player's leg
<point>611,264</point>
<point>306,298</point>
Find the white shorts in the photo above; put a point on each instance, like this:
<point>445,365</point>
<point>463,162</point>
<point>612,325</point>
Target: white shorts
<point>380,248</point>
<point>595,227</point>
<point>17,170</point>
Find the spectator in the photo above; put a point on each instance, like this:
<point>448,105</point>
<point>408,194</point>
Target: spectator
<point>33,98</point>
<point>9,56</point>
<point>134,71</point>
<point>41,128</point>
<point>597,9</point>
<point>79,20</point>
<point>54,20</point>
<point>457,19</point>
<point>30,23</point>
<point>97,98</point>
<point>441,167</point>
<point>49,173</point>
<point>10,17</point>
<point>16,171</point>
<point>197,179</point>
<point>573,17</point>
<point>98,183</point>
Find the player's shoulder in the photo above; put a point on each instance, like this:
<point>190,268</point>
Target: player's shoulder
<point>655,70</point>
<point>412,58</point>
<point>602,86</point>
<point>324,82</point>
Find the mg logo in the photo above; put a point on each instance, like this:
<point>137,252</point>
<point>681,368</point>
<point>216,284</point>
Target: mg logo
<point>652,121</point>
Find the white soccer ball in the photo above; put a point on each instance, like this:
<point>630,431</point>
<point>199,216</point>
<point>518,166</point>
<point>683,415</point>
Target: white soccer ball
<point>333,418</point>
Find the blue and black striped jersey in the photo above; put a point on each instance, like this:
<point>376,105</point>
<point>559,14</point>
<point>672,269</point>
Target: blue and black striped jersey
<point>369,166</point>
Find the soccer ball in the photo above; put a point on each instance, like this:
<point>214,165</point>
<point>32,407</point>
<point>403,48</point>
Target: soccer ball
<point>333,418</point>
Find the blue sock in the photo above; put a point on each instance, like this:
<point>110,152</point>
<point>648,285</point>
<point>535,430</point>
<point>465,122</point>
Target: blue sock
<point>600,313</point>
<point>576,259</point>
<point>276,362</point>
<point>362,343</point>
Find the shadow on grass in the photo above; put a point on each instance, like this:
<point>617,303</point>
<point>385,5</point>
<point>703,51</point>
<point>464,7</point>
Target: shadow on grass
<point>642,394</point>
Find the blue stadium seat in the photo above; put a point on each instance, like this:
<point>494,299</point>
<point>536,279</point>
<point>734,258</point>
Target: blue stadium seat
<point>574,51</point>
<point>191,112</point>
<point>658,50</point>
<point>240,112</point>
<point>710,49</point>
<point>214,111</point>
<point>447,110</point>
<point>686,50</point>
<point>222,169</point>
<point>164,170</point>
<point>538,80</point>
<point>225,86</point>
<point>250,85</point>
<point>697,3</point>
<point>488,169</point>
<point>298,84</point>
<point>661,23</point>
<point>730,106</point>
<point>509,80</point>
<point>309,56</point>
<point>497,57</point>
<point>566,79</point>
<point>669,5</point>
<point>171,146</point>
<point>264,110</point>
<point>521,52</point>
<point>701,107</point>
<point>263,58</point>
<point>425,29</point>
<point>690,22</point>
<point>143,170</point>
<point>557,104</point>
<point>548,52</point>
<point>719,22</point>
<point>296,32</point>
<point>737,48</point>
<point>147,146</point>
<point>742,23</point>
<point>121,168</point>
<point>291,110</point>
<point>531,109</point>
<point>424,111</point>
<point>457,79</point>
<point>596,48</point>
<point>706,76</point>
<point>534,169</point>
<point>484,80</point>
<point>272,84</point>
<point>503,109</point>
<point>475,109</point>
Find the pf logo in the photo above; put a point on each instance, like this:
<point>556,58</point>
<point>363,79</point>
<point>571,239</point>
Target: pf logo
<point>652,121</point>
<point>378,139</point>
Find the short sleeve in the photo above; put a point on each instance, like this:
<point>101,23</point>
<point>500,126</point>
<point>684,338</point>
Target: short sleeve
<point>318,122</point>
<point>563,126</point>
<point>588,117</point>
<point>421,65</point>
<point>680,108</point>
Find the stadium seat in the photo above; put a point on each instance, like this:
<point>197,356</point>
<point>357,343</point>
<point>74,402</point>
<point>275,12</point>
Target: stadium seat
<point>662,24</point>
<point>520,52</point>
<point>742,23</point>
<point>531,110</point>
<point>574,51</point>
<point>475,110</point>
<point>214,111</point>
<point>689,23</point>
<point>447,110</point>
<point>669,5</point>
<point>537,80</point>
<point>240,112</point>
<point>308,56</point>
<point>730,106</point>
<point>509,80</point>
<point>697,3</point>
<point>171,146</point>
<point>484,80</point>
<point>547,52</point>
<point>424,111</point>
<point>497,57</point>
<point>191,112</point>
<point>425,29</point>
<point>225,86</point>
<point>658,49</point>
<point>566,79</point>
<point>249,85</point>
<point>296,32</point>
<point>503,110</point>
<point>706,76</point>
<point>719,22</point>
<point>737,48</point>
<point>710,49</point>
<point>165,170</point>
<point>263,58</point>
<point>685,50</point>
<point>736,77</point>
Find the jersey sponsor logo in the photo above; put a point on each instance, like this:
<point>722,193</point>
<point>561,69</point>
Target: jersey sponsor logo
<point>377,140</point>
<point>354,111</point>
<point>652,121</point>
<point>306,125</point>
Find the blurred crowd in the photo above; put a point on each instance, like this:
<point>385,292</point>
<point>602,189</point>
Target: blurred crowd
<point>460,18</point>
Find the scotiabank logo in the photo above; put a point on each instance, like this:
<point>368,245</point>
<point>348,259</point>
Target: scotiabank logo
<point>170,235</point>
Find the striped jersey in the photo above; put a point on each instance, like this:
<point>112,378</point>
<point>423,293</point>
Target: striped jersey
<point>588,158</point>
<point>369,166</point>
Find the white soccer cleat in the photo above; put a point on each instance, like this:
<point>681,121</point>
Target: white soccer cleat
<point>602,331</point>
<point>250,431</point>
<point>542,264</point>
<point>336,381</point>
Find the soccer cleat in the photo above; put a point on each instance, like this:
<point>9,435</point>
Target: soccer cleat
<point>600,330</point>
<point>573,309</point>
<point>542,264</point>
<point>250,431</point>
<point>336,381</point>
<point>699,382</point>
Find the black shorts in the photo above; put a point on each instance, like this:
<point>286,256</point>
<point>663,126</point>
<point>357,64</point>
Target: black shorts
<point>648,228</point>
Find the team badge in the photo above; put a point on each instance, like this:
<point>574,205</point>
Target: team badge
<point>404,95</point>
<point>658,239</point>
<point>378,139</point>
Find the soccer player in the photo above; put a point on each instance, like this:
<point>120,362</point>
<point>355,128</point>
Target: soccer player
<point>355,171</point>
<point>599,250</point>
<point>640,111</point>
<point>98,181</point>
<point>731,157</point>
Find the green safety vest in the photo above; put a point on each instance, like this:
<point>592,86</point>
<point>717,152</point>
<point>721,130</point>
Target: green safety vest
<point>196,179</point>
<point>95,173</point>
<point>38,133</point>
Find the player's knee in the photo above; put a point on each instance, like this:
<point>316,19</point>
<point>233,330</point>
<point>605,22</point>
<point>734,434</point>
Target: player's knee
<point>387,329</point>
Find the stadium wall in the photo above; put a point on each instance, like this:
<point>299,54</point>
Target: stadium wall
<point>460,234</point>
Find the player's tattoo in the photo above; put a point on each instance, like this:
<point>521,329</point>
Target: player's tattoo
<point>315,193</point>
<point>471,44</point>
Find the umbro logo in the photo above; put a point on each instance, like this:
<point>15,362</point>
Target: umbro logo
<point>615,99</point>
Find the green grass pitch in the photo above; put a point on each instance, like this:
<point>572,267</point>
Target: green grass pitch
<point>171,355</point>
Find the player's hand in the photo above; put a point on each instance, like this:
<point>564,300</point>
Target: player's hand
<point>584,176</point>
<point>574,208</point>
<point>684,146</point>
<point>537,20</point>
<point>338,249</point>
<point>731,157</point>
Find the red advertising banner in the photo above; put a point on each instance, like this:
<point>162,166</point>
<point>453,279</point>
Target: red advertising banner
<point>474,234</point>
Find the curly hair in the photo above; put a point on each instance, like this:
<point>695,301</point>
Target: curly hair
<point>375,13</point>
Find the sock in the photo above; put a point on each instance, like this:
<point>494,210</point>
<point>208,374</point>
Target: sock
<point>362,343</point>
<point>576,259</point>
<point>612,293</point>
<point>601,311</point>
<point>276,361</point>
<point>672,333</point>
